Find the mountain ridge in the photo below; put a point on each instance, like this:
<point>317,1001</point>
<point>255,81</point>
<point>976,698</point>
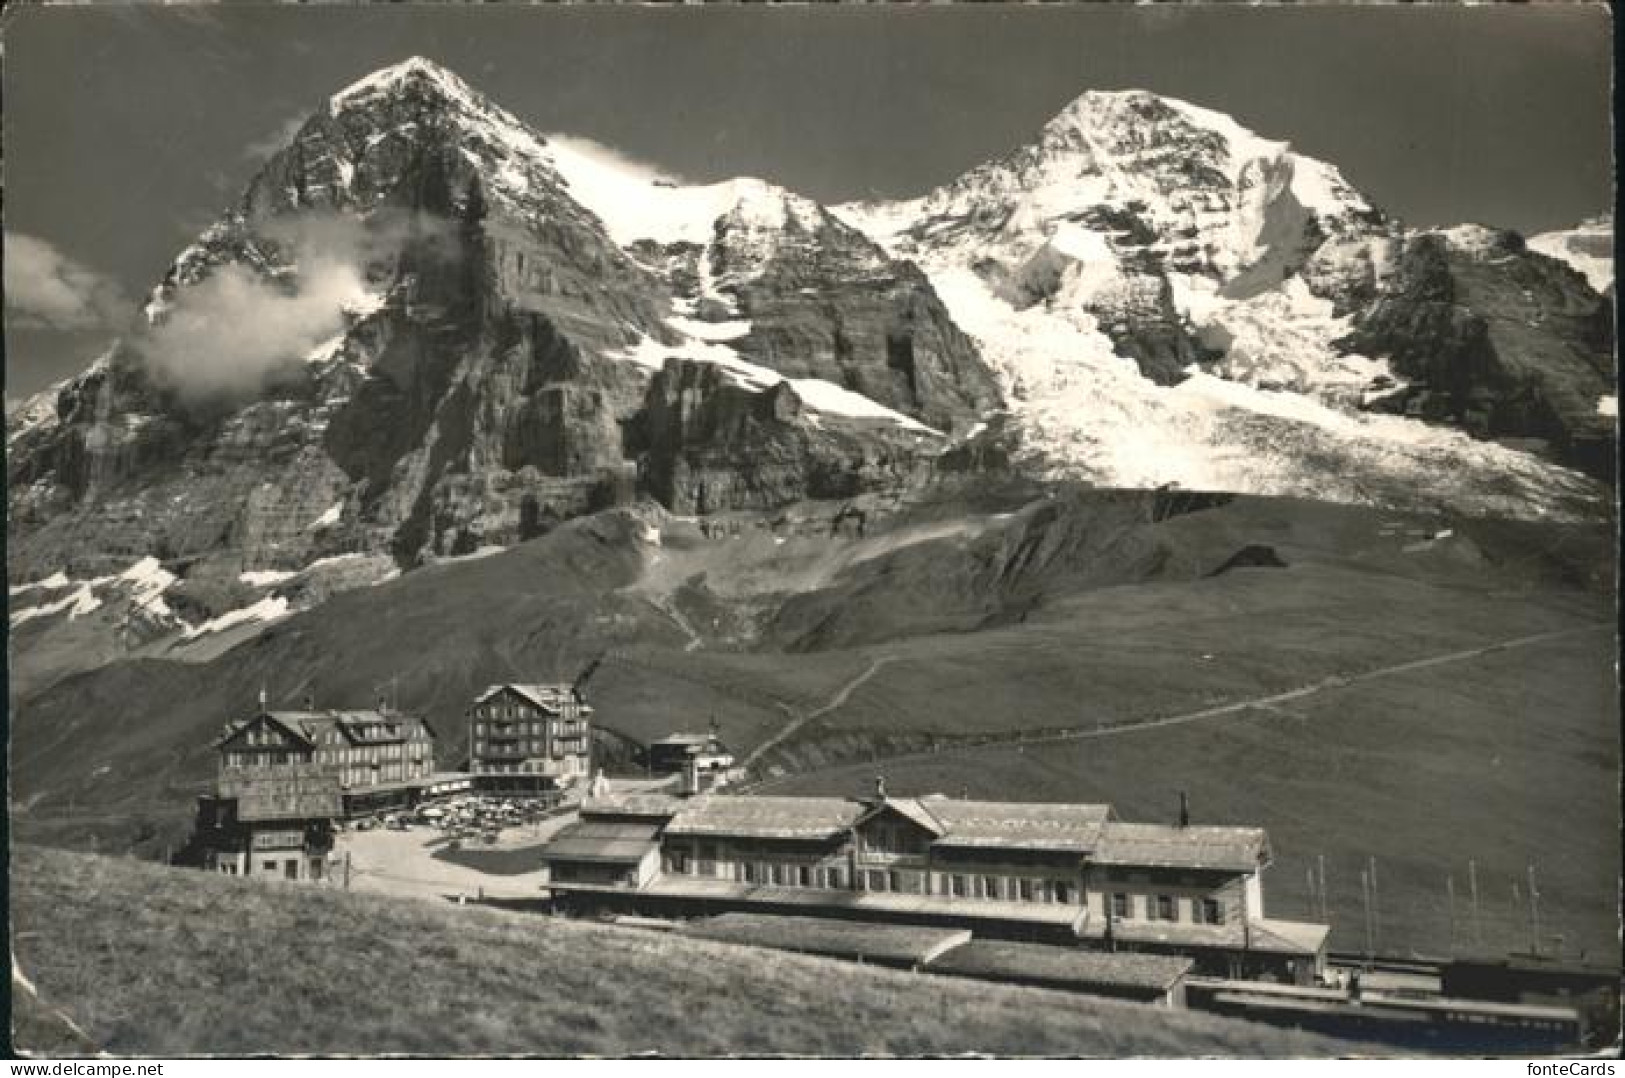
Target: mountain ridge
<point>498,330</point>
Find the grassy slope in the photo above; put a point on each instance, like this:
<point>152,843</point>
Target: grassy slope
<point>167,962</point>
<point>1069,613</point>
<point>1506,759</point>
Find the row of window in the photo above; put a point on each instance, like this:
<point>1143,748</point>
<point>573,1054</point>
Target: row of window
<point>834,877</point>
<point>263,759</point>
<point>521,711</point>
<point>830,878</point>
<point>495,750</point>
<point>379,752</point>
<point>522,729</point>
<point>376,773</point>
<point>1205,911</point>
<point>956,885</point>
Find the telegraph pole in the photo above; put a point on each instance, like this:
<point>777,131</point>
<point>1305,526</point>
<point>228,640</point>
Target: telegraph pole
<point>1450,895</point>
<point>1376,905</point>
<point>1534,913</point>
<point>1365,894</point>
<point>1325,912</point>
<point>1472,883</point>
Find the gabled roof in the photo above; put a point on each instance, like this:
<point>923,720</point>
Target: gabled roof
<point>280,719</point>
<point>1151,845</point>
<point>358,727</point>
<point>908,808</point>
<point>813,818</point>
<point>645,806</point>
<point>311,726</point>
<point>1032,825</point>
<point>603,841</point>
<point>547,697</point>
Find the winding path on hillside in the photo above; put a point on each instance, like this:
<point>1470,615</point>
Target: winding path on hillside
<point>842,695</point>
<point>1269,702</point>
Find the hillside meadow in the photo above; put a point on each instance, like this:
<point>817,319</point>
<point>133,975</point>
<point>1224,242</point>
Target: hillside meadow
<point>153,961</point>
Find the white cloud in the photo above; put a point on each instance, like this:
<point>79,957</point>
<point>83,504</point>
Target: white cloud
<point>227,335</point>
<point>46,289</point>
<point>607,157</point>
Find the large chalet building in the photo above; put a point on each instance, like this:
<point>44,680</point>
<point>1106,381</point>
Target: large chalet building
<point>276,823</point>
<point>378,759</point>
<point>1066,873</point>
<point>529,738</point>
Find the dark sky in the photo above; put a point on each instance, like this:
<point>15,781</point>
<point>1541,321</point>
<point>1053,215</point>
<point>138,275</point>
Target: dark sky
<point>128,129</point>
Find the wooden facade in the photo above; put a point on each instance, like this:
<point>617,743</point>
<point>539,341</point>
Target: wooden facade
<point>377,760</point>
<point>361,749</point>
<point>273,823</point>
<point>529,738</point>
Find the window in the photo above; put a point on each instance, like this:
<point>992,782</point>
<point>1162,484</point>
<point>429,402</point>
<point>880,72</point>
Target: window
<point>1063,892</point>
<point>894,881</point>
<point>1120,908</point>
<point>804,876</point>
<point>316,868</point>
<point>1210,911</point>
<point>990,887</point>
<point>1025,889</point>
<point>679,861</point>
<point>749,872</point>
<point>874,880</point>
<point>1166,909</point>
<point>957,886</point>
<point>267,866</point>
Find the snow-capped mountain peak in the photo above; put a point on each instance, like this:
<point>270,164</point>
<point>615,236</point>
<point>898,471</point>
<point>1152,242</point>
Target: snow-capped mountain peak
<point>1138,247</point>
<point>392,78</point>
<point>638,202</point>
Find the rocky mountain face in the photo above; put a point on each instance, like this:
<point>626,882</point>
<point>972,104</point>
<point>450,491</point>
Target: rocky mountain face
<point>1498,340</point>
<point>1168,297</point>
<point>427,331</point>
<point>475,359</point>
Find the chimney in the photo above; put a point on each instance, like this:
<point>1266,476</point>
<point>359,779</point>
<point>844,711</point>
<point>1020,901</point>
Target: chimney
<point>1184,809</point>
<point>383,703</point>
<point>691,777</point>
<point>880,787</point>
<point>310,701</point>
<point>264,696</point>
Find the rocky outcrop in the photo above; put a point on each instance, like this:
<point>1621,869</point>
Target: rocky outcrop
<point>712,442</point>
<point>1498,341</point>
<point>483,380</point>
<point>825,302</point>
